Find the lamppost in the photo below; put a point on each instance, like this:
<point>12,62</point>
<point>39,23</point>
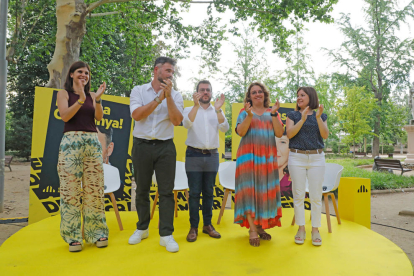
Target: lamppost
<point>3,81</point>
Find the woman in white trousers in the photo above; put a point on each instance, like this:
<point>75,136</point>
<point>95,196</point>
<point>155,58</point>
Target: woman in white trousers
<point>306,130</point>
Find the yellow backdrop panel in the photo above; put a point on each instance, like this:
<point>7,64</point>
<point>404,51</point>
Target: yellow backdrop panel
<point>48,128</point>
<point>354,200</point>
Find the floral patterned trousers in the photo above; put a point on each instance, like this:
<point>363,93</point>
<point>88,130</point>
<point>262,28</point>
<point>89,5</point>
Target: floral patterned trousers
<point>81,187</point>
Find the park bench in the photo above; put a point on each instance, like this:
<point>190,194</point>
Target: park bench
<point>8,159</point>
<point>390,164</point>
<point>360,154</point>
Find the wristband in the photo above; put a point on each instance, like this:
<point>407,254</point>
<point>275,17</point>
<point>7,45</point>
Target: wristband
<point>98,101</point>
<point>274,114</point>
<point>80,102</point>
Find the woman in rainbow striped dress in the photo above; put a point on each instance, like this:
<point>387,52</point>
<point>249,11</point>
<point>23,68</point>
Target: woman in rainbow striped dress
<point>257,200</point>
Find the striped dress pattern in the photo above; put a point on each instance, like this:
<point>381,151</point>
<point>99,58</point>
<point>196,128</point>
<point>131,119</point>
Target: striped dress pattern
<point>257,176</point>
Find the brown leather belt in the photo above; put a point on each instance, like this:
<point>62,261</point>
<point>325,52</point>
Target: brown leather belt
<point>316,151</point>
<point>203,151</point>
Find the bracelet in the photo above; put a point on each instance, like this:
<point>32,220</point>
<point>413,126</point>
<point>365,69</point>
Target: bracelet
<point>98,101</point>
<point>80,102</point>
<point>274,114</point>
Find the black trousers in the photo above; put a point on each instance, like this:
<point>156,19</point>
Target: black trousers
<point>159,156</point>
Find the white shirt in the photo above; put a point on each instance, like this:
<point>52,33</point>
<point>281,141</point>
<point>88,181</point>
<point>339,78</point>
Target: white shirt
<point>203,132</point>
<point>157,125</point>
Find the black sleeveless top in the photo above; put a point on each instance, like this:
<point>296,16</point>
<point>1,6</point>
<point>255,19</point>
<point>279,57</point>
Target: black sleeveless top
<point>84,119</point>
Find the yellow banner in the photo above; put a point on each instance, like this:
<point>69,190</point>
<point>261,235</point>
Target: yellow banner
<point>116,132</point>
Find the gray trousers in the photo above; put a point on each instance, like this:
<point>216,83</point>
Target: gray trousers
<point>159,156</point>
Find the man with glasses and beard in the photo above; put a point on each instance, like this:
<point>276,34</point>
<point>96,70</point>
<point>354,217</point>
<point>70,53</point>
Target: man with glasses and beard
<point>203,122</point>
<point>156,108</point>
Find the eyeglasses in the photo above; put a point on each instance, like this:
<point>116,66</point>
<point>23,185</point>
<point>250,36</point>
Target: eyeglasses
<point>257,92</point>
<point>204,89</point>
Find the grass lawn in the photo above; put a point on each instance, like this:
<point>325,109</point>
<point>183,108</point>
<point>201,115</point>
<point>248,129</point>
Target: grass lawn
<point>379,180</point>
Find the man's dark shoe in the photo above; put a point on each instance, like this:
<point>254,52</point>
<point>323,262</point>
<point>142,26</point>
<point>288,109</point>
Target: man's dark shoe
<point>209,229</point>
<point>192,235</point>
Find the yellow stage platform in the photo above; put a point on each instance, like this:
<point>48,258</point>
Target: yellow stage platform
<point>351,249</point>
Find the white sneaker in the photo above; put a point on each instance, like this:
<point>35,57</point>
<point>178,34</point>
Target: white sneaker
<point>169,243</point>
<point>138,236</point>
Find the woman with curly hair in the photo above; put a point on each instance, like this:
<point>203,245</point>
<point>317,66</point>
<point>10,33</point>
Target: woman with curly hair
<point>257,200</point>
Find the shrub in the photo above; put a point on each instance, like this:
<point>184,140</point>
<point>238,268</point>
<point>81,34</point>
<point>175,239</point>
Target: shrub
<point>335,147</point>
<point>387,149</point>
<point>379,180</point>
<point>21,137</point>
<point>227,143</point>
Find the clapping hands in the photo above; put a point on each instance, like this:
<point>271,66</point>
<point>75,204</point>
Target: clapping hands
<point>100,91</point>
<point>166,87</point>
<point>219,102</point>
<point>275,107</point>
<point>248,108</point>
<point>305,114</point>
<point>319,112</point>
<point>196,98</point>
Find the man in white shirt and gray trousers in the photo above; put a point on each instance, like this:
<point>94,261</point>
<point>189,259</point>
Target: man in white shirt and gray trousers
<point>156,109</point>
<point>203,122</point>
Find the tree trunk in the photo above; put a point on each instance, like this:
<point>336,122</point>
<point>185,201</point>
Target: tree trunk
<point>365,144</point>
<point>71,28</point>
<point>353,152</point>
<point>17,28</point>
<point>375,144</point>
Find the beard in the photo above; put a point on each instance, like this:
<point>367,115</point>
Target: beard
<point>161,80</point>
<point>205,101</point>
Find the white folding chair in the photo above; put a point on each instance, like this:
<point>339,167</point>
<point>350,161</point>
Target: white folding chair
<point>180,184</point>
<point>330,183</point>
<point>227,177</point>
<point>112,182</point>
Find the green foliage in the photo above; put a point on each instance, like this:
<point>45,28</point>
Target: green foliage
<point>379,58</point>
<point>298,73</point>
<point>379,180</point>
<point>328,88</point>
<point>228,143</point>
<point>269,16</point>
<point>395,113</point>
<point>340,148</point>
<point>345,149</point>
<point>124,38</point>
<point>250,66</point>
<point>33,51</point>
<point>21,136</point>
<point>354,111</point>
<point>383,149</point>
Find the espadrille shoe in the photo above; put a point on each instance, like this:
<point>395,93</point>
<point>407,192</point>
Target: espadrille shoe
<point>75,247</point>
<point>102,243</point>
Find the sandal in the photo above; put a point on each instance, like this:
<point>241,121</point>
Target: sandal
<point>316,236</point>
<point>75,247</point>
<point>300,237</point>
<point>263,235</point>
<point>102,242</point>
<point>255,242</point>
